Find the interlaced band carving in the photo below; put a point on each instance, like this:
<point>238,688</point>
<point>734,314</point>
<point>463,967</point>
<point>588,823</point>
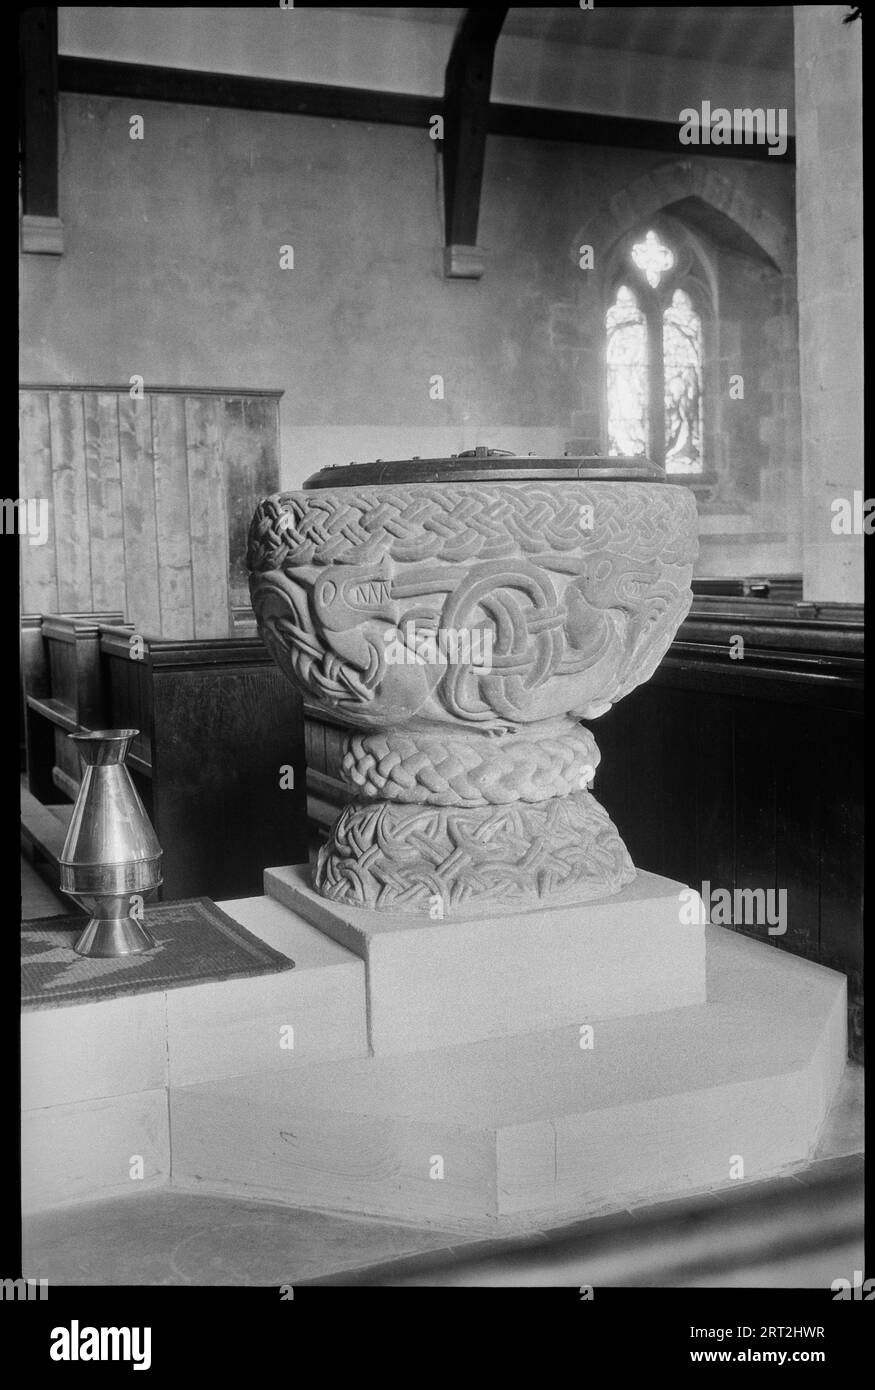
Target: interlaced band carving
<point>487,522</point>
<point>437,859</point>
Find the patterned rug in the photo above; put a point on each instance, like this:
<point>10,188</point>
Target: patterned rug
<point>195,942</point>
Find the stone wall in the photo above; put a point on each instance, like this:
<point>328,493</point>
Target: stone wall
<point>829,212</point>
<point>171,270</point>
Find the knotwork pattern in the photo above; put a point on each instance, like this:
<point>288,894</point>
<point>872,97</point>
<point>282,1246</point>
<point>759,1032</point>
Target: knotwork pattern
<point>568,579</point>
<point>473,521</point>
<point>395,856</point>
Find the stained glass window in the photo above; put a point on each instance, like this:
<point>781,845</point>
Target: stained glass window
<point>682,369</point>
<point>655,364</point>
<point>628,359</point>
<point>652,258</point>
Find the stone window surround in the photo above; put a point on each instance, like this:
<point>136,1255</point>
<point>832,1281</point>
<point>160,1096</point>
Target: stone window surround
<point>653,198</point>
<point>693,273</point>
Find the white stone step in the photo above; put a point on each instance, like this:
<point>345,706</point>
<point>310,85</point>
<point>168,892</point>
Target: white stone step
<point>95,1076</point>
<point>663,1103</point>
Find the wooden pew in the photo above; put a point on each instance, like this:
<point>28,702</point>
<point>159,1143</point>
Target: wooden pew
<point>217,720</point>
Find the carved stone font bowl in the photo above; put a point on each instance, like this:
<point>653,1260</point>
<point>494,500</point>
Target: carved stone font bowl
<point>460,628</point>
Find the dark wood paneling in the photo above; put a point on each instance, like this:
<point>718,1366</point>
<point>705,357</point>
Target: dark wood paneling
<point>841,861</point>
<point>800,752</point>
<point>755,804</point>
<point>217,722</point>
<point>222,721</point>
<point>334,743</point>
<point>62,692</point>
<point>712,737</point>
<point>314,743</point>
<point>769,750</point>
<point>676,801</point>
<point>221,738</point>
<point>34,669</point>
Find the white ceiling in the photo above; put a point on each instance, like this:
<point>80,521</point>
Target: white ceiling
<point>630,62</point>
<point>737,35</point>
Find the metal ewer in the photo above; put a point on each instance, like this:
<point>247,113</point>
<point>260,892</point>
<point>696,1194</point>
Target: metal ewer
<point>111,852</point>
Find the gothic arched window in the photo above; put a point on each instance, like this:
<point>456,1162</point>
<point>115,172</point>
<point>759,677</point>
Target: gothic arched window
<point>655,362</point>
<point>628,362</point>
<point>682,373</point>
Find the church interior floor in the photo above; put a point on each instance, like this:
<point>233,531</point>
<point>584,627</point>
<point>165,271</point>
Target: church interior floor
<point>758,1238</point>
<point>798,1231</point>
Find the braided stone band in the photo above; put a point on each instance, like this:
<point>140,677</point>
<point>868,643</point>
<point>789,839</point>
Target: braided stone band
<point>446,769</point>
<point>461,523</point>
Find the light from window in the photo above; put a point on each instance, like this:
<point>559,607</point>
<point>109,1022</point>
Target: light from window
<point>682,365</point>
<point>627,362</point>
<point>652,258</point>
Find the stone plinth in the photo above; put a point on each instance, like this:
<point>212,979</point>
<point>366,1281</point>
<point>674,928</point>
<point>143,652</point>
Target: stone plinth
<point>436,983</point>
<point>530,1127</point>
<point>698,1098</point>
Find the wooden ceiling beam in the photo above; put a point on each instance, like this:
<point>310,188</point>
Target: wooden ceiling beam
<point>467,86</point>
<point>41,229</point>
